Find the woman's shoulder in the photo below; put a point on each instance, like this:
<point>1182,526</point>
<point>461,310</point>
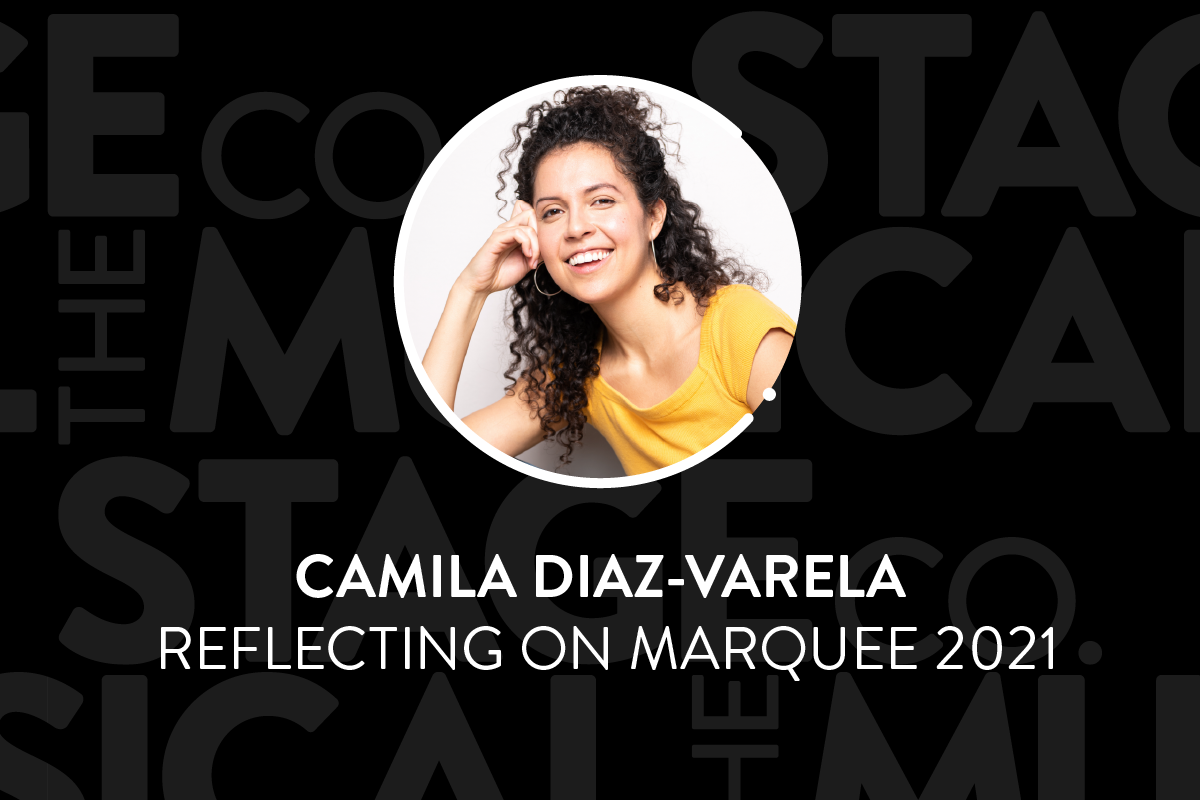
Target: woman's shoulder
<point>739,307</point>
<point>738,317</point>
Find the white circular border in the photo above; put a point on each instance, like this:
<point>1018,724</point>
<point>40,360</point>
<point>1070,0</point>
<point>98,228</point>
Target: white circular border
<point>402,315</point>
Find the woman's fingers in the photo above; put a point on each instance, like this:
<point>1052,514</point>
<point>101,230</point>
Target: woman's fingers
<point>516,222</point>
<point>511,235</point>
<point>521,238</point>
<point>520,208</point>
<point>531,221</point>
<point>527,236</point>
<point>534,248</point>
<point>504,233</point>
<point>524,218</point>
<point>536,255</point>
<point>495,265</point>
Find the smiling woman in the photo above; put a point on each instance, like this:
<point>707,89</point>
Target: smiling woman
<point>624,313</point>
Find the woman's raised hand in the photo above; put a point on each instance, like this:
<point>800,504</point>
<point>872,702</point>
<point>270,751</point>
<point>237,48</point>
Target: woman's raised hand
<point>509,253</point>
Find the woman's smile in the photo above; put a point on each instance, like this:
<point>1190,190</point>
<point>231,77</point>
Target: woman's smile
<point>588,261</point>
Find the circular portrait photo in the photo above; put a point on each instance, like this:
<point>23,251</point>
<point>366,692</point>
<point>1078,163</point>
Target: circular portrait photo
<point>597,281</point>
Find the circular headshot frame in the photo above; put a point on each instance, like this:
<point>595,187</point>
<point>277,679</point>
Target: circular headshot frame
<point>528,96</point>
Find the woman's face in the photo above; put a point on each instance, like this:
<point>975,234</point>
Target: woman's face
<point>593,233</point>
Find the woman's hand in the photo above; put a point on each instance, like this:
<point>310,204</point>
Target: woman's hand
<point>509,253</point>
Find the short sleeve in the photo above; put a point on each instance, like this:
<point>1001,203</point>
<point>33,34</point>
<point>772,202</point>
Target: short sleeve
<point>742,316</point>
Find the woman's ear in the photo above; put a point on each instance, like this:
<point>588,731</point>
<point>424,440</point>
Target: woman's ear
<point>658,214</point>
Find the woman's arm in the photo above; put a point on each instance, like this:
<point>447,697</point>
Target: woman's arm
<point>507,255</point>
<point>510,424</point>
<point>447,351</point>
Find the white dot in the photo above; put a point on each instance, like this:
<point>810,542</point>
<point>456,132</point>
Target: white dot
<point>768,393</point>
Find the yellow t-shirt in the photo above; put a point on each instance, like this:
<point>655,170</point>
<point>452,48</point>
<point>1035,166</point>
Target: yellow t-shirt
<point>709,402</point>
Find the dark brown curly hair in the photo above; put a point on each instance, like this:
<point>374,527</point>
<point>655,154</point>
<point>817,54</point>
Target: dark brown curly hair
<point>554,338</point>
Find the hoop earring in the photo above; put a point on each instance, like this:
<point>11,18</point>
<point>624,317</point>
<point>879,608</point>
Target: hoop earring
<point>535,283</point>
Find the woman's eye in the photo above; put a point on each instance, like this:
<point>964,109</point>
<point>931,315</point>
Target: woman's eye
<point>550,211</point>
<point>607,200</point>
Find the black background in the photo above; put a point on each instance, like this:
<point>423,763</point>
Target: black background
<point>1111,504</point>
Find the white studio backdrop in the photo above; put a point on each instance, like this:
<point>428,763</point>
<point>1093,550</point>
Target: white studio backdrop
<point>716,169</point>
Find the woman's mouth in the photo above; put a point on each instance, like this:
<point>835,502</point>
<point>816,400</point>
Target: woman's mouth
<point>589,261</point>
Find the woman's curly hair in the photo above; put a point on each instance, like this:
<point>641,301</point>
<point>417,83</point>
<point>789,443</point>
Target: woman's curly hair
<point>554,338</point>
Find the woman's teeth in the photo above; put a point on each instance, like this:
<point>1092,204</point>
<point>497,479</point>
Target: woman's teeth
<point>591,255</point>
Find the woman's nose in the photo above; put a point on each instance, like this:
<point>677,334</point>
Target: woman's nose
<point>580,225</point>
